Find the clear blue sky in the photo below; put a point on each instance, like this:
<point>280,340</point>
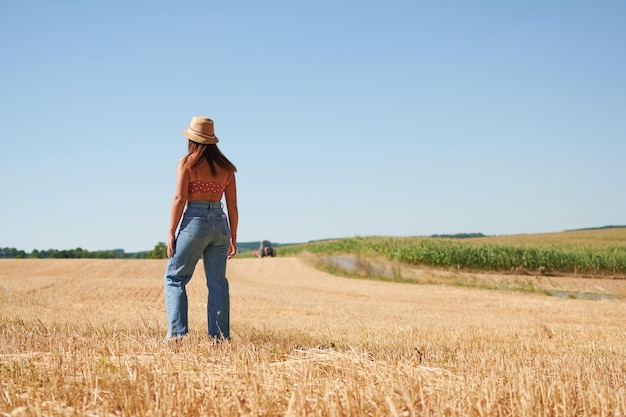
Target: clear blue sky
<point>344,118</point>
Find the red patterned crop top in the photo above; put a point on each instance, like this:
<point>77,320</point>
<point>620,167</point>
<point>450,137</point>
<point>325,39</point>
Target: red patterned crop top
<point>206,187</point>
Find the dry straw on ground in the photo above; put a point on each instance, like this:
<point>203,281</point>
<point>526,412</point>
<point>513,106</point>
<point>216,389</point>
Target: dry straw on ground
<point>84,337</point>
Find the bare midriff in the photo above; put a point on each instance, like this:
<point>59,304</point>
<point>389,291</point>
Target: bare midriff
<point>212,197</point>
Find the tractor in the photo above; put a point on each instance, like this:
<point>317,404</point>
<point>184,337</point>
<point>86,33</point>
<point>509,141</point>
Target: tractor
<point>265,249</point>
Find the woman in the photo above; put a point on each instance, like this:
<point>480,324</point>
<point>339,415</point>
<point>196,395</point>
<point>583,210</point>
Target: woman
<point>204,176</point>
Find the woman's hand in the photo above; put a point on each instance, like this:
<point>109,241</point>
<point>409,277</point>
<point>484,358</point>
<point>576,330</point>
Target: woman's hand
<point>233,249</point>
<point>171,245</point>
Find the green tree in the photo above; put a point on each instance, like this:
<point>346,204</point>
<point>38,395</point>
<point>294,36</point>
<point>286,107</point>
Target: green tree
<point>159,251</point>
<point>8,252</point>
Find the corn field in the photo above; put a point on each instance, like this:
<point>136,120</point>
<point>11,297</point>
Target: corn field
<point>551,256</point>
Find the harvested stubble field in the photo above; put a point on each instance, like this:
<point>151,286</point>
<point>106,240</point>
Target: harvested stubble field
<point>84,337</point>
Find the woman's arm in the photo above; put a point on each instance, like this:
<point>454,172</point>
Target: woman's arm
<point>178,205</point>
<point>233,214</point>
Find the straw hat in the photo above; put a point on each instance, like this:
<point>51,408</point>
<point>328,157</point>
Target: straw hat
<point>201,130</point>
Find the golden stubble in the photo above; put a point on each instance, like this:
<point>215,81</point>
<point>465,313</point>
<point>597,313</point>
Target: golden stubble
<point>84,337</point>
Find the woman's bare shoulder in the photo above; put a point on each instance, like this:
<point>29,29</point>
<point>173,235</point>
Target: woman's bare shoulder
<point>181,163</point>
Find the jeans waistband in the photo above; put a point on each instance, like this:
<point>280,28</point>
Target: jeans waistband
<point>205,204</point>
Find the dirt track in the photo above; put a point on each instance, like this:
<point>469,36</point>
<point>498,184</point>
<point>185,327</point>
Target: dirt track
<point>279,293</point>
<point>297,292</point>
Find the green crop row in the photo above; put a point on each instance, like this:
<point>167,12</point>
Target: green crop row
<point>450,253</point>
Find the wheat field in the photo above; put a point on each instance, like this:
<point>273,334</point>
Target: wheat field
<point>83,337</point>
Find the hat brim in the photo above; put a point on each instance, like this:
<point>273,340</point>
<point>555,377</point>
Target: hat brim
<point>204,140</point>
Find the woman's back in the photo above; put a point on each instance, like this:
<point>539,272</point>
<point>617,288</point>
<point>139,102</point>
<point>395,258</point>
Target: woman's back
<point>206,186</point>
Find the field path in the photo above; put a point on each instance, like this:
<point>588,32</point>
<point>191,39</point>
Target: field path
<point>300,294</point>
<point>277,293</point>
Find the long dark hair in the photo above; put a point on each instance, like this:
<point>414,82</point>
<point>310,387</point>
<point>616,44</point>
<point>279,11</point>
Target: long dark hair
<point>210,153</point>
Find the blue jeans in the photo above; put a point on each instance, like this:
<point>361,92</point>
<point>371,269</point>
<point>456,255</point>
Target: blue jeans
<point>204,233</point>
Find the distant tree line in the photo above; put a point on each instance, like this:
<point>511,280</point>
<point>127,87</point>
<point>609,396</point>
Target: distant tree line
<point>159,252</point>
<point>460,236</point>
<point>596,228</point>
